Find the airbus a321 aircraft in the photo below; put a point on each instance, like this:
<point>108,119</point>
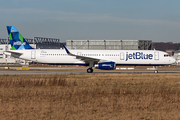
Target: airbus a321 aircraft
<point>101,59</point>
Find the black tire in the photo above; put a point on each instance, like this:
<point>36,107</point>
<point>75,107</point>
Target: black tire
<point>89,70</point>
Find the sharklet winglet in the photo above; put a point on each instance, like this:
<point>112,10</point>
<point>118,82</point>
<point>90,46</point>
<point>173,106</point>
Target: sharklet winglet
<point>67,51</point>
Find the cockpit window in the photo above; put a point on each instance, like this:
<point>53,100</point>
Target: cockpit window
<point>167,55</point>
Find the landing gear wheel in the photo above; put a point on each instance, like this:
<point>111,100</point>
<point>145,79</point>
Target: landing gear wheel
<point>156,71</point>
<point>89,70</point>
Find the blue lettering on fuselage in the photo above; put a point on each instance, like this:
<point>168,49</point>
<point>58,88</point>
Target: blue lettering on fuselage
<point>138,55</point>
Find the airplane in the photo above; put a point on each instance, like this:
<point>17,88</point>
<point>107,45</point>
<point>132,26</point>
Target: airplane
<point>101,59</point>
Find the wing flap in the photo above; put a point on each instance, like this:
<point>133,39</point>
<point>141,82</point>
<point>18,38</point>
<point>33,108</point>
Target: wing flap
<point>85,58</point>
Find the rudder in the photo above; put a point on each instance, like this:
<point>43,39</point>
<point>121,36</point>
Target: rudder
<point>16,39</point>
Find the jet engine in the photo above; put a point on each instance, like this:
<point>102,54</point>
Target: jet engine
<point>106,66</point>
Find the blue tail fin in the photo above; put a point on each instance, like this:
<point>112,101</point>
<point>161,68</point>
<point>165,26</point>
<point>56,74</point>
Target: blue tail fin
<point>16,39</point>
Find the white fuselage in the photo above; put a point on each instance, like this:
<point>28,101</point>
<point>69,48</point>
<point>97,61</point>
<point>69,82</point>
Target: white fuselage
<point>120,57</point>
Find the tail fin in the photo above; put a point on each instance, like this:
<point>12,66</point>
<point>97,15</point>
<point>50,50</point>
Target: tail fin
<point>16,39</point>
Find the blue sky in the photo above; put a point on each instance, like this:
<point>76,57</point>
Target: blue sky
<point>157,20</point>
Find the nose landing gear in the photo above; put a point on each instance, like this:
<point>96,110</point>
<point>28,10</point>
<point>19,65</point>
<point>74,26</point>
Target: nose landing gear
<point>155,69</point>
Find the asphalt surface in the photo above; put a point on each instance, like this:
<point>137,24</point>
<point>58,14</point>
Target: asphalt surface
<point>14,72</point>
<point>74,70</point>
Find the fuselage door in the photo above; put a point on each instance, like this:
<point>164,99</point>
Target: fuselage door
<point>156,55</point>
<point>33,54</point>
<point>79,53</point>
<point>121,56</point>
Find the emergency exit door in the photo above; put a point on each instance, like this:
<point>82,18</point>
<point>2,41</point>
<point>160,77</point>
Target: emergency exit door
<point>33,54</point>
<point>122,56</point>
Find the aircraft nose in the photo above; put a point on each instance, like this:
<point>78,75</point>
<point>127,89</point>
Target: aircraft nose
<point>173,60</point>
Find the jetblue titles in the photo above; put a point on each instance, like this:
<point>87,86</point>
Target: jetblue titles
<point>19,43</point>
<point>138,55</point>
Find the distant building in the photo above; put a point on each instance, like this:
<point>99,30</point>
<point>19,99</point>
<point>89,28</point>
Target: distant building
<point>169,52</point>
<point>110,44</point>
<point>4,59</point>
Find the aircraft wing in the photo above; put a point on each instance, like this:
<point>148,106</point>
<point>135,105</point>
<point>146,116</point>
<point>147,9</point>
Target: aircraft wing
<point>84,58</point>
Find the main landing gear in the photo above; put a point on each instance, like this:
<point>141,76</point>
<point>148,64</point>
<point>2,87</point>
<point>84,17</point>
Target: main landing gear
<point>89,70</point>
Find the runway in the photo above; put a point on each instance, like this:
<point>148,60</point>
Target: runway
<point>76,72</point>
<point>80,70</point>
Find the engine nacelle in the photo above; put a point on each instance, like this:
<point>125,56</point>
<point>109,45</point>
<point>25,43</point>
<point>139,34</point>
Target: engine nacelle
<point>106,66</point>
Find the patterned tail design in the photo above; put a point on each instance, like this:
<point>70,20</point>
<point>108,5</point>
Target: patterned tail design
<point>16,39</point>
